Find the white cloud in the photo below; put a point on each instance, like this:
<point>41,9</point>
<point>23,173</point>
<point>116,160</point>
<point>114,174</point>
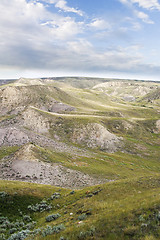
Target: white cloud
<point>82,47</point>
<point>22,22</point>
<point>136,26</point>
<point>32,37</point>
<point>148,4</point>
<point>63,28</point>
<point>62,5</point>
<point>99,24</point>
<point>84,56</point>
<point>144,17</point>
<point>126,2</point>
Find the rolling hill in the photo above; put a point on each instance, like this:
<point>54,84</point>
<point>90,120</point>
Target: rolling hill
<point>79,159</point>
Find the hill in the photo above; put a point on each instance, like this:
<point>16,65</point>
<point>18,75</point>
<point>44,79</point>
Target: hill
<point>95,142</point>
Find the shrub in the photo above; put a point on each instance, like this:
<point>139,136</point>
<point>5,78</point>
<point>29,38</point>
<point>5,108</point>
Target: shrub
<point>51,230</point>
<point>3,220</point>
<point>141,218</point>
<point>40,207</point>
<point>89,233</point>
<point>11,225</point>
<point>30,225</point>
<point>52,217</point>
<point>3,195</point>
<point>20,235</point>
<point>82,217</point>
<point>12,230</point>
<point>37,231</point>
<point>47,231</point>
<point>18,224</point>
<point>82,235</point>
<point>5,224</point>
<point>58,228</point>
<point>158,216</point>
<point>21,224</point>
<point>2,236</point>
<point>62,238</point>
<point>72,192</point>
<point>2,230</point>
<point>27,218</point>
<point>55,196</point>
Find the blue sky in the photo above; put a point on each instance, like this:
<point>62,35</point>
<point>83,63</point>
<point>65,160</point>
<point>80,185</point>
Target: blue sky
<point>101,38</point>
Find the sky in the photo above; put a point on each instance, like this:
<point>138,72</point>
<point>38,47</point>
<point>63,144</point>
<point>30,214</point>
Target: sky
<point>97,38</point>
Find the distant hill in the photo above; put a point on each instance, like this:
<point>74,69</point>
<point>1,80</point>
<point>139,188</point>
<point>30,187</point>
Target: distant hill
<point>153,95</point>
<point>6,81</point>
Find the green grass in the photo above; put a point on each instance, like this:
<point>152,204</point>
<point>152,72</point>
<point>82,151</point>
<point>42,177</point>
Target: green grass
<point>114,209</point>
<point>106,165</point>
<point>117,211</point>
<point>126,207</point>
<point>5,151</point>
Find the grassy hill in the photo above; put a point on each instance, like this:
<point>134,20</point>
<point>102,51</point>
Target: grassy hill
<point>125,209</point>
<point>95,142</point>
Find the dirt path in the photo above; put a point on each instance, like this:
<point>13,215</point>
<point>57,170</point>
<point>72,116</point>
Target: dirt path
<point>86,115</point>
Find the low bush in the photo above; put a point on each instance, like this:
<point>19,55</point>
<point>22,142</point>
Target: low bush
<point>52,217</point>
<point>2,236</point>
<point>85,234</point>
<point>40,207</point>
<point>20,235</point>
<point>27,218</point>
<point>2,230</point>
<point>12,230</point>
<point>63,238</point>
<point>55,196</point>
<point>51,230</point>
<point>82,217</point>
<point>3,195</point>
<point>30,225</point>
<point>3,220</point>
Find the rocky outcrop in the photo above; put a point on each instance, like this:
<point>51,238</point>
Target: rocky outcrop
<point>157,130</point>
<point>12,136</point>
<point>29,81</point>
<point>16,98</point>
<point>95,135</point>
<point>60,107</point>
<point>12,98</point>
<point>24,166</point>
<point>35,121</point>
<point>127,90</point>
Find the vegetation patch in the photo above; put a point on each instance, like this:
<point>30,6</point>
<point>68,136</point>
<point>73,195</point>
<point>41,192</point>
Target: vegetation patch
<point>52,217</point>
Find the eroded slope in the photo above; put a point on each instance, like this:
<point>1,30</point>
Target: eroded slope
<point>92,133</point>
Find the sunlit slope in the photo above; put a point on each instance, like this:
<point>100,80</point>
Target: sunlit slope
<point>79,125</point>
<point>126,209</point>
<point>96,142</point>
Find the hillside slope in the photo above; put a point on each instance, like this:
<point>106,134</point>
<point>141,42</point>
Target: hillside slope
<point>99,137</point>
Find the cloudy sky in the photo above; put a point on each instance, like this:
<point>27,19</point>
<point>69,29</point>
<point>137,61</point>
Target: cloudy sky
<point>103,38</point>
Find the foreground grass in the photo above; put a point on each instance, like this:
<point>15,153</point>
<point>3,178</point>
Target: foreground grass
<point>124,209</point>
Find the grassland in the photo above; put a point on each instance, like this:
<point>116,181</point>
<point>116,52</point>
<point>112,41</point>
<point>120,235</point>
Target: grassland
<point>124,209</point>
<point>128,205</point>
